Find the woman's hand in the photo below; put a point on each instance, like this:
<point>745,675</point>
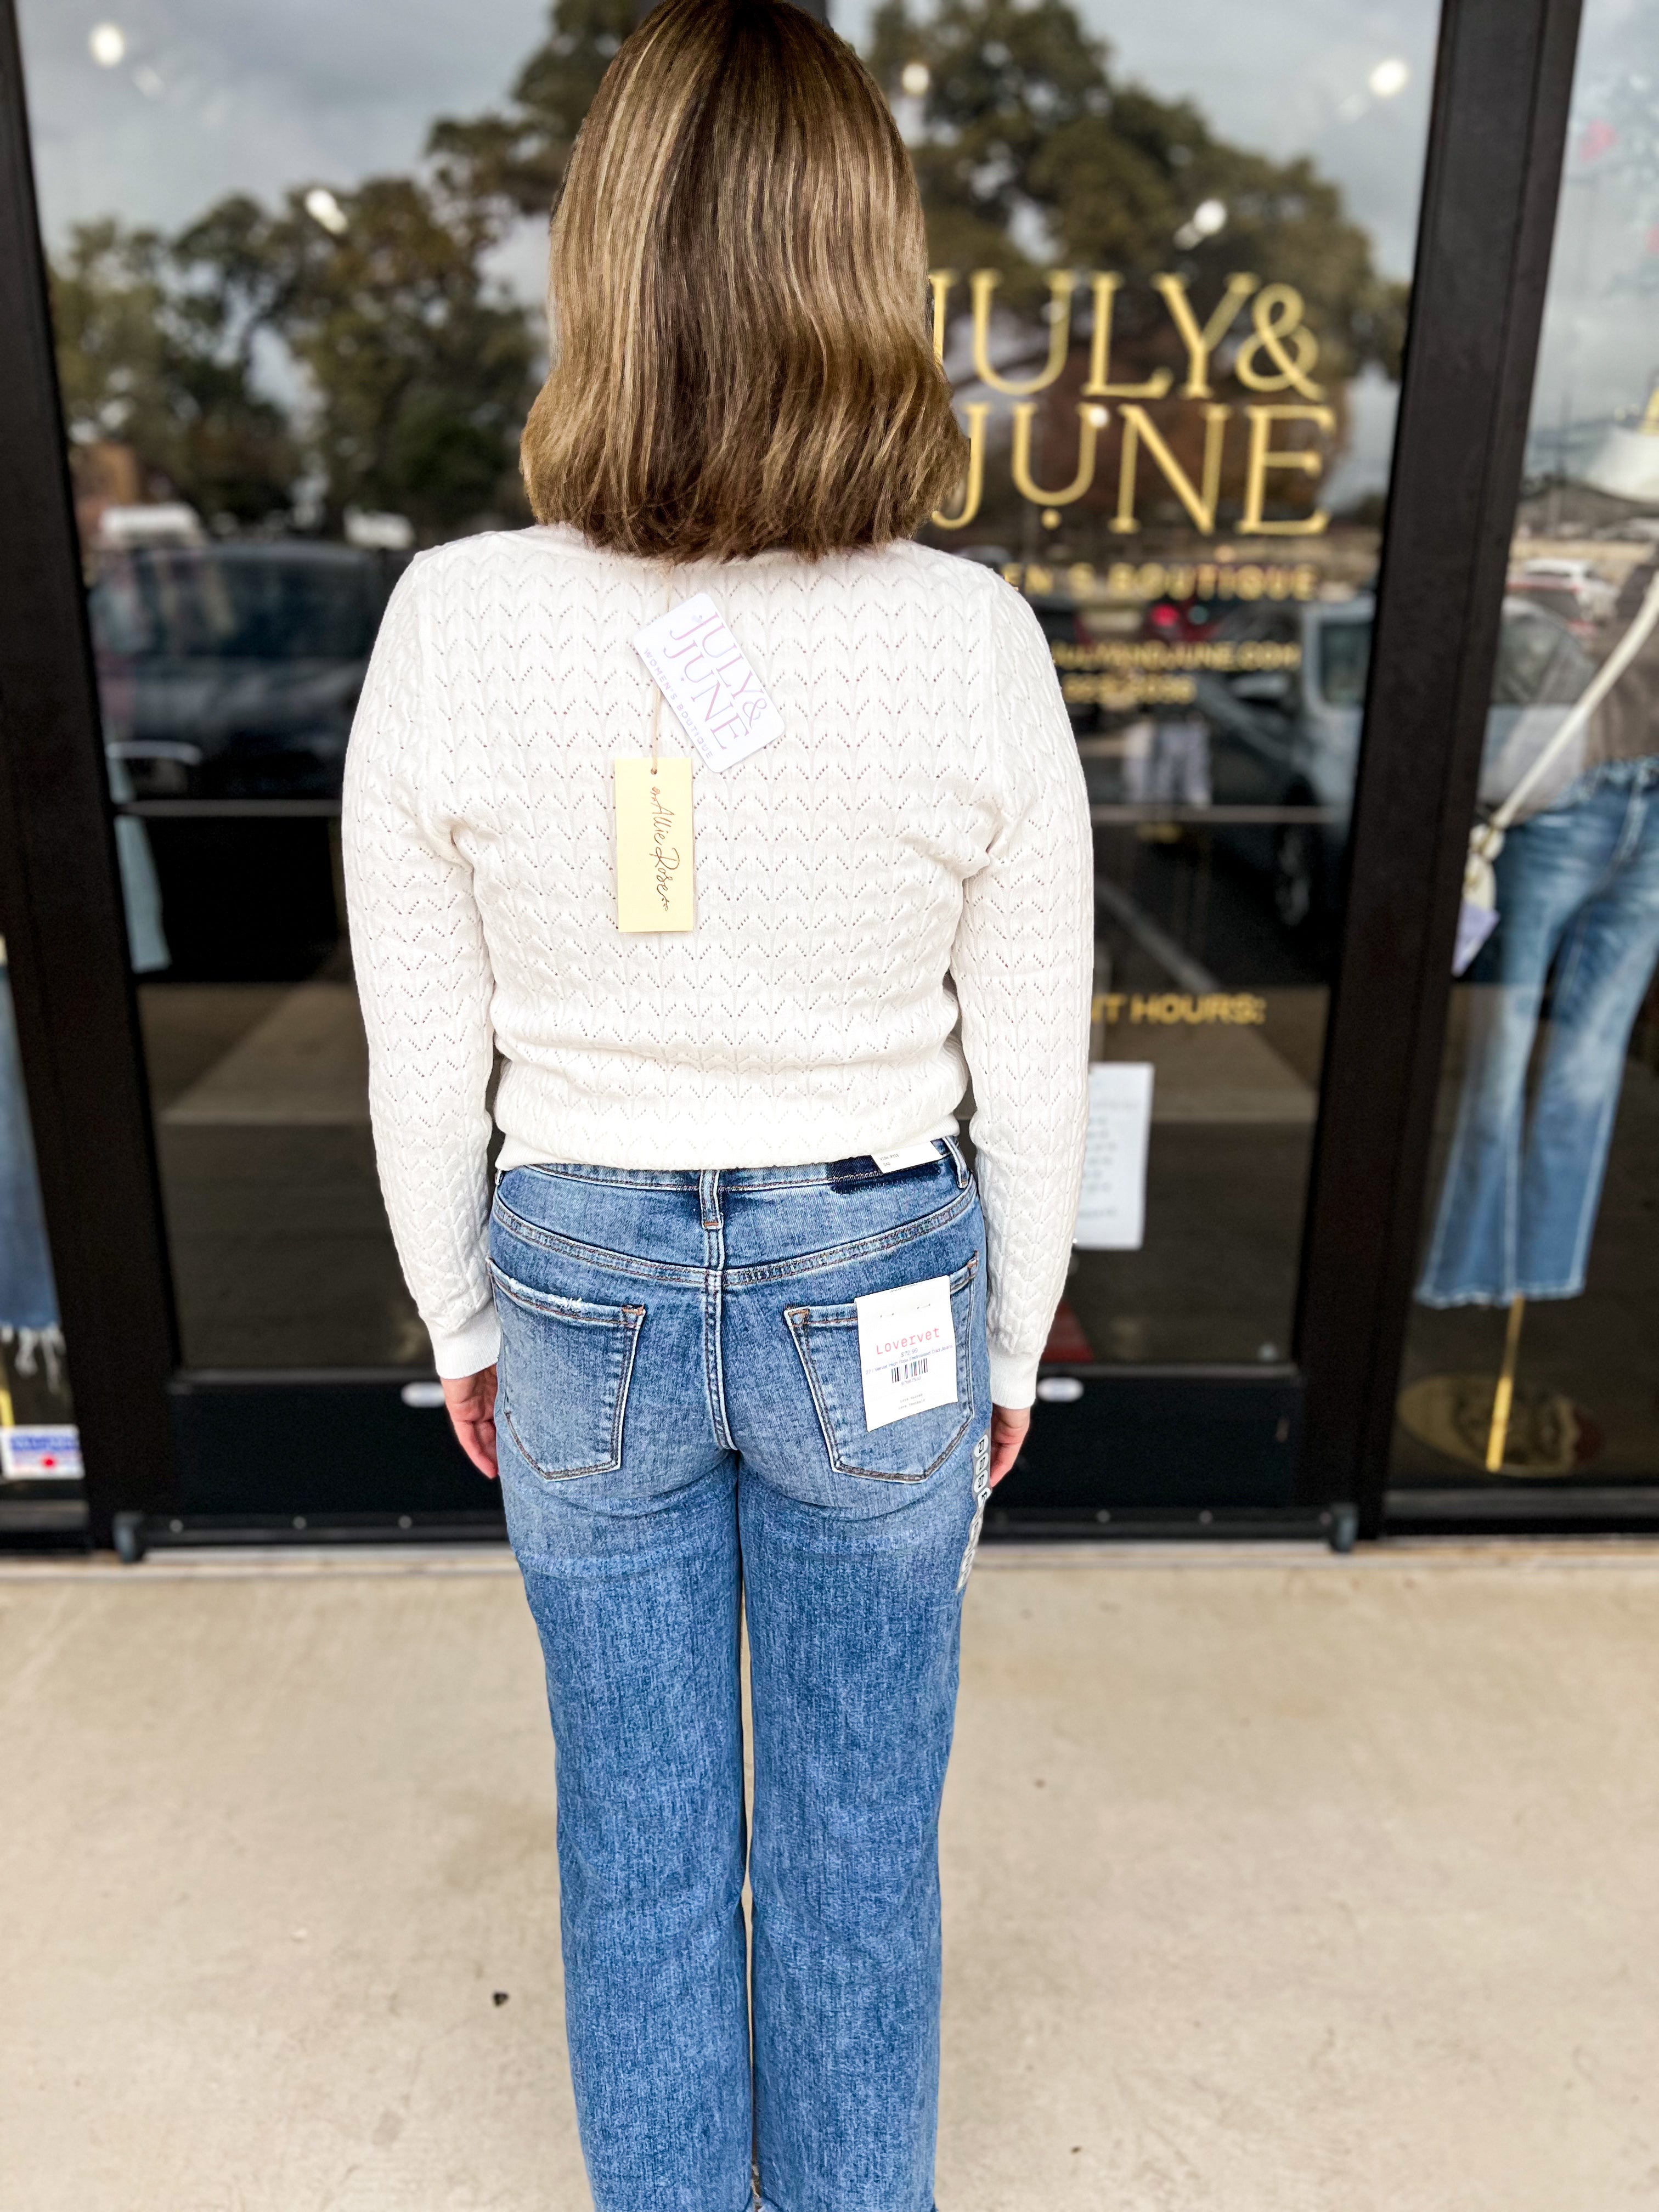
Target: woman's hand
<point>1008,1426</point>
<point>470,1399</point>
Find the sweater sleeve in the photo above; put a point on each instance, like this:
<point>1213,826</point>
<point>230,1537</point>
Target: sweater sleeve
<point>1023,962</point>
<point>424,983</point>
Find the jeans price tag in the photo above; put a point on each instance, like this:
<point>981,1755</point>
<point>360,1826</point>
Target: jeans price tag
<point>906,1351</point>
<point>924,1153</point>
<point>716,697</point>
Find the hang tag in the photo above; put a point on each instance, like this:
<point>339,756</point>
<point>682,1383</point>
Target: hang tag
<point>653,845</point>
<point>716,697</point>
<point>906,1351</point>
<point>1475,924</point>
<point>922,1154</point>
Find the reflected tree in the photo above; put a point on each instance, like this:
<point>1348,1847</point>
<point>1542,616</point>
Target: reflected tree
<point>149,362</point>
<point>512,161</point>
<point>1033,154</point>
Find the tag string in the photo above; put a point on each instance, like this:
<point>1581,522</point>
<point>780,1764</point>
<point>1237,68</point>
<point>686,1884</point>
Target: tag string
<point>656,688</point>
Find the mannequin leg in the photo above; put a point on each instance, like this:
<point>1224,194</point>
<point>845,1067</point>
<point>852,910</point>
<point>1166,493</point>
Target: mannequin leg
<point>1602,978</point>
<point>1473,1255</point>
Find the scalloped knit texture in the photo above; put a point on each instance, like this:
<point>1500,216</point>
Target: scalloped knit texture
<point>914,848</point>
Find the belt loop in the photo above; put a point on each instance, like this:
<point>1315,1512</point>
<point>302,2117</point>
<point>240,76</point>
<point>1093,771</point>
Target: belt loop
<point>955,1151</point>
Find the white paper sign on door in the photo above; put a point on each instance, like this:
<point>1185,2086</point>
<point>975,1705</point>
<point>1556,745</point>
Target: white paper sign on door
<point>1112,1216</point>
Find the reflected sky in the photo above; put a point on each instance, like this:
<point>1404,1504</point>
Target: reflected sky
<point>211,93</point>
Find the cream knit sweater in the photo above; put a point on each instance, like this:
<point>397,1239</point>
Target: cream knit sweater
<point>920,825</point>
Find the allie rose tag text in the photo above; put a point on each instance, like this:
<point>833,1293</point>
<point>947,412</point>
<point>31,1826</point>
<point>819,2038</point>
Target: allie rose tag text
<point>653,846</point>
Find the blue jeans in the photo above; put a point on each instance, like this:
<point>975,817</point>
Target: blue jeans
<point>1577,889</point>
<point>28,1298</point>
<point>681,1435</point>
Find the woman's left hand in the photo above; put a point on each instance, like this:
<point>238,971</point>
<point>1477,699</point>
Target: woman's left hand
<point>470,1399</point>
<point>1008,1426</point>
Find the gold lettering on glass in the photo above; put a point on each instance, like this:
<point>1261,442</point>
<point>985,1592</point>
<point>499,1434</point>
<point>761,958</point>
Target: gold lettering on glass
<point>1021,461</point>
<point>939,282</point>
<point>1263,456</point>
<point>1201,343</point>
<point>1099,386</point>
<point>1276,313</point>
<point>1061,285</point>
<point>977,411</point>
<point>1139,429</point>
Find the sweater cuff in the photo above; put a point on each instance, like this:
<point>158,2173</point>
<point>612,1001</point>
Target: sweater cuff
<point>457,1352</point>
<point>1013,1378</point>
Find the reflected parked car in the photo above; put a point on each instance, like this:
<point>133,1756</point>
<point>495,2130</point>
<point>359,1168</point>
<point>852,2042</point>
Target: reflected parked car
<point>233,671</point>
<point>1288,737</point>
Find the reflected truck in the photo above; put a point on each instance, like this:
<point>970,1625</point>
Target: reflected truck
<point>1287,740</point>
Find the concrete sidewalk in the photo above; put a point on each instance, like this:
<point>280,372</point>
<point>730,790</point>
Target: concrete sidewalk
<point>1274,1883</point>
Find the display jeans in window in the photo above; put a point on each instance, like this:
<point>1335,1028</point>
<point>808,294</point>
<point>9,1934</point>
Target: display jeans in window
<point>1577,889</point>
<point>28,1298</point>
<point>681,1433</point>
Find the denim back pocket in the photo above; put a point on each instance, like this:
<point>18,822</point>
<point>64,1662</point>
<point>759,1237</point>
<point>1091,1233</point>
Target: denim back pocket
<point>565,1368</point>
<point>827,1338</point>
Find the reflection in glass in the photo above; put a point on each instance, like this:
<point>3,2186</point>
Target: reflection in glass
<point>297,303</point>
<point>1169,285</point>
<point>1532,1351</point>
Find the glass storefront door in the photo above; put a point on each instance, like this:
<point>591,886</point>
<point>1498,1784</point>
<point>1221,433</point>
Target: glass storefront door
<point>1173,255</point>
<point>296,274</point>
<point>1532,1369</point>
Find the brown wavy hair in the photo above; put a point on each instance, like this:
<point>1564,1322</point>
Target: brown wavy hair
<point>737,302</point>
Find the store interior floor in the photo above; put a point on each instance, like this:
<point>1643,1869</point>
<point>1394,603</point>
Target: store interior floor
<point>1274,1883</point>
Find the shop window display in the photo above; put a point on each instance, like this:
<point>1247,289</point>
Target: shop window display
<point>1532,1353</point>
<point>296,298</point>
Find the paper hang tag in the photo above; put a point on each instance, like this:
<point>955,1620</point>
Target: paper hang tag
<point>654,868</point>
<point>906,1351</point>
<point>1475,924</point>
<point>716,697</point>
<point>922,1154</point>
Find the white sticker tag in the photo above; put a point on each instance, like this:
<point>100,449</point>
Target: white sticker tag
<point>715,694</point>
<point>924,1153</point>
<point>906,1351</point>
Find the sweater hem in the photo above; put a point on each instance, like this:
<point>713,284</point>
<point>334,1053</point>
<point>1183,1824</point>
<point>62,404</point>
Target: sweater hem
<point>458,1352</point>
<point>1014,1379</point>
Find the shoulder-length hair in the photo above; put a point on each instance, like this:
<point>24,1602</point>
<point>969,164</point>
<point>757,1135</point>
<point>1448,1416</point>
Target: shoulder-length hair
<point>737,302</point>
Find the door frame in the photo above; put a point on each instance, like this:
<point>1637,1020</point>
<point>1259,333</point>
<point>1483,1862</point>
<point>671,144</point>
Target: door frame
<point>1311,1438</point>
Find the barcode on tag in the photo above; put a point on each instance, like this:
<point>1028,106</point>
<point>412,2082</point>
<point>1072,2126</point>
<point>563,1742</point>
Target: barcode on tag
<point>906,1351</point>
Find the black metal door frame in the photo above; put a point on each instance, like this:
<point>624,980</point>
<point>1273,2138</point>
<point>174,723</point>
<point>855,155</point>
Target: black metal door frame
<point>1303,1443</point>
<point>1497,142</point>
<point>60,902</point>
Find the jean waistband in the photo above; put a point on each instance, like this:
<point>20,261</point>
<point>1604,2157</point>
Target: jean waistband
<point>861,1168</point>
<point>1639,774</point>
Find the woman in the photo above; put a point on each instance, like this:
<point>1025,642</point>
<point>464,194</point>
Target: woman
<point>724,1128</point>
